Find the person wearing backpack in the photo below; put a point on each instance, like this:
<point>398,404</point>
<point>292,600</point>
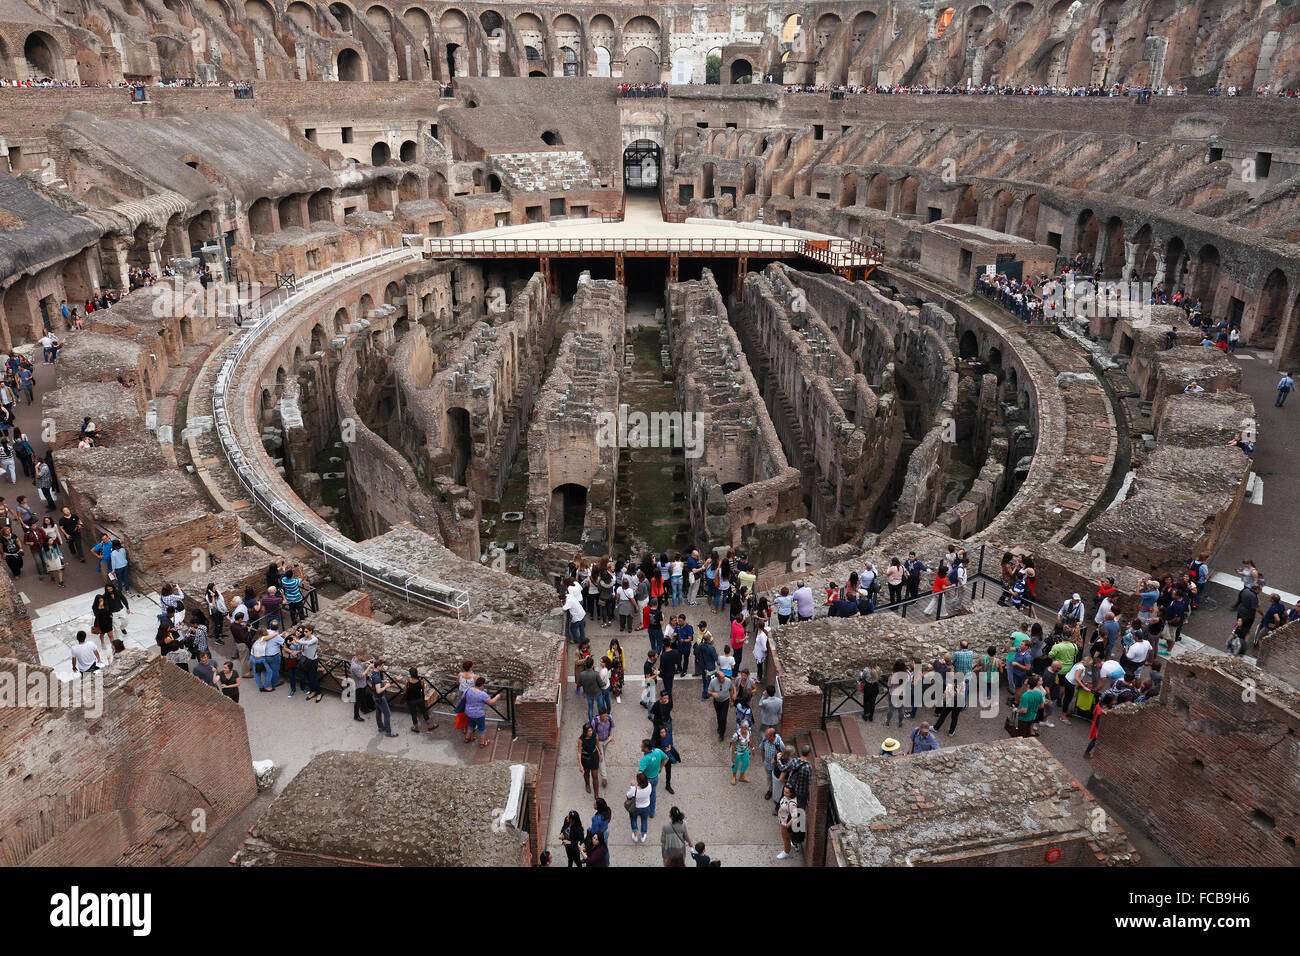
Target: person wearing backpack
<point>25,454</point>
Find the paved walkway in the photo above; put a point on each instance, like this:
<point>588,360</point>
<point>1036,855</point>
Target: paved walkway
<point>734,822</point>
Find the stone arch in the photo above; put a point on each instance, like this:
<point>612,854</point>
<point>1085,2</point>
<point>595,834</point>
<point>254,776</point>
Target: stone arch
<point>340,321</point>
<point>303,15</point>
<point>1271,310</point>
<point>907,195</point>
<point>43,56</point>
<point>1112,258</point>
<point>260,221</point>
<point>877,192</point>
<point>1018,17</point>
<point>343,14</point>
<point>290,210</point>
<point>1085,233</point>
<point>706,180</point>
<point>365,306</point>
<point>1207,277</point>
<point>977,18</point>
<point>642,65</point>
<point>571,63</point>
<point>259,11</point>
<point>380,154</point>
<point>641,24</point>
<point>742,71</point>
<point>320,207</point>
<point>863,24</point>
<point>1027,227</point>
<point>393,294</point>
<point>1000,208</point>
<point>1143,253</point>
<point>849,188</point>
<point>968,206</point>
<point>603,60</point>
<point>827,25</point>
<point>408,188</point>
<point>317,339</point>
<point>1175,263</point>
<point>968,346</point>
<point>409,151</point>
<point>350,67</point>
<point>568,513</point>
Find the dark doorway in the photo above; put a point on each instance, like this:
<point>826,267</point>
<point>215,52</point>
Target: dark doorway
<point>642,162</point>
<point>458,441</point>
<point>568,513</point>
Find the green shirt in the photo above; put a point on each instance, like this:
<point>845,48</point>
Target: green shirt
<point>651,762</point>
<point>1031,700</point>
<point>1065,652</point>
<point>1017,638</point>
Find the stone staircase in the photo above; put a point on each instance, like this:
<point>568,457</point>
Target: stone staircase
<point>516,750</point>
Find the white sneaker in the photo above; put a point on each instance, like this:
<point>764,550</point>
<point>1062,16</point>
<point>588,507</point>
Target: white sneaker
<point>618,700</point>
<point>782,855</point>
<point>1046,723</point>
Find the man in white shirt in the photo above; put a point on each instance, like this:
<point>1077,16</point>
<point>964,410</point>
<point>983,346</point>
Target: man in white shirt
<point>85,657</point>
<point>1136,656</point>
<point>577,614</point>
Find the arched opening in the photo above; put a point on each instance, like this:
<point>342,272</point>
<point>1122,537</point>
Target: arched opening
<point>319,207</point>
<point>849,189</point>
<point>493,183</point>
<point>552,138</point>
<point>290,208</point>
<point>642,65</point>
<point>1085,234</point>
<point>453,54</point>
<point>568,513</point>
<point>1112,264</point>
<point>379,154</point>
<point>878,192</point>
<point>602,61</point>
<point>366,305</point>
<point>393,294</point>
<point>1271,310</point>
<point>202,231</point>
<point>968,347</point>
<point>349,66</point>
<point>1207,277</point>
<point>317,339</point>
<point>343,15</point>
<point>968,207</point>
<point>641,164</point>
<point>863,24</point>
<point>1144,261</point>
<point>713,67</point>
<point>459,442</point>
<point>1027,228</point>
<point>408,151</point>
<point>41,52</point>
<point>260,219</point>
<point>341,321</point>
<point>1001,206</point>
<point>706,181</point>
<point>570,56</point>
<point>742,71</point>
<point>1175,263</point>
<point>907,197</point>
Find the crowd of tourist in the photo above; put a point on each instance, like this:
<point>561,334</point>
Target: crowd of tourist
<point>988,89</point>
<point>49,83</point>
<point>643,89</point>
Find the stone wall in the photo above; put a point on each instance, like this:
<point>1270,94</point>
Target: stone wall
<point>130,785</point>
<point>571,442</point>
<point>1208,767</point>
<point>741,478</point>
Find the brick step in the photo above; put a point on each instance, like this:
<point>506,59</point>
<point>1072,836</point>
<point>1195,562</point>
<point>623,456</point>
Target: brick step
<point>857,744</point>
<point>835,736</point>
<point>820,743</point>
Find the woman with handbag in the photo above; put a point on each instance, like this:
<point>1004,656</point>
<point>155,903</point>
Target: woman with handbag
<point>625,595</point>
<point>600,822</point>
<point>637,806</point>
<point>617,669</point>
<point>673,839</point>
<point>102,621</point>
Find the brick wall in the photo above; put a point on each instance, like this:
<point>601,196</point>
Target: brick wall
<point>1209,767</point>
<point>129,786</point>
<point>1279,654</point>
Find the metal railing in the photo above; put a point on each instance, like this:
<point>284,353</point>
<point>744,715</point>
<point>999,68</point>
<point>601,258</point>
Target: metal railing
<point>837,253</point>
<point>335,674</point>
<point>265,490</point>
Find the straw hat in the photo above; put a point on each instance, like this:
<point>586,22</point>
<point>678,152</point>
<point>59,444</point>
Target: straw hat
<point>890,745</point>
